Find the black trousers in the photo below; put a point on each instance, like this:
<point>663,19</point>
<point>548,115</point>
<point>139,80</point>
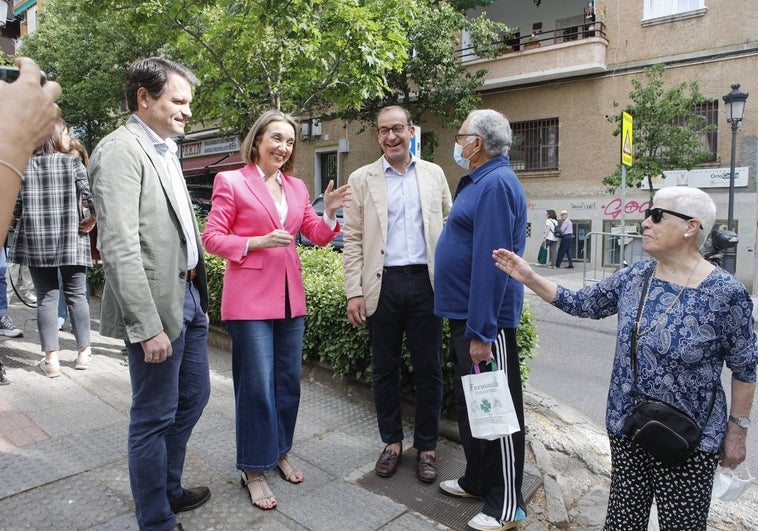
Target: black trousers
<point>494,469</point>
<point>406,308</point>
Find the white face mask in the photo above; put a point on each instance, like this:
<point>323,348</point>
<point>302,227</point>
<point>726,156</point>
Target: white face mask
<point>458,156</point>
<point>728,485</point>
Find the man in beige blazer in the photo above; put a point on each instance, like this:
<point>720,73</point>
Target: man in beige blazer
<point>155,296</point>
<point>399,205</point>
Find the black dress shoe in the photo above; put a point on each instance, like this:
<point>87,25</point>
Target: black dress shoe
<point>387,464</point>
<point>177,527</point>
<point>426,467</point>
<point>190,499</point>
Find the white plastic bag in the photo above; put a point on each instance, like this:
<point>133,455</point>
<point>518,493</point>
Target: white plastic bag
<point>729,484</point>
<point>491,413</point>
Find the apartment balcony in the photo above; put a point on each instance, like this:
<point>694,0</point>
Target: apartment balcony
<point>554,54</point>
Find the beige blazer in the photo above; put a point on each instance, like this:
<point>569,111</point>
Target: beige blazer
<point>140,238</point>
<point>365,226</point>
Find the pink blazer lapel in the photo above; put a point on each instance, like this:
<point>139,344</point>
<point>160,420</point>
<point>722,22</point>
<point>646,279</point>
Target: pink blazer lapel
<point>254,182</point>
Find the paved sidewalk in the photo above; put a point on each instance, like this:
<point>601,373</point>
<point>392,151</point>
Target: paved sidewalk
<point>63,455</point>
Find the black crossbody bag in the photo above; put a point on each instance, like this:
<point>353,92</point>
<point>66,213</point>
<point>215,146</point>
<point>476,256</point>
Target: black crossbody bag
<point>666,432</point>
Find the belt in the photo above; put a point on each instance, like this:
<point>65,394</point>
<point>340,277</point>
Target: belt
<point>407,269</point>
<point>191,275</point>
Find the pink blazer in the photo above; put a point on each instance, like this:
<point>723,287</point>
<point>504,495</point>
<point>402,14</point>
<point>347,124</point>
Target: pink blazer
<point>254,284</point>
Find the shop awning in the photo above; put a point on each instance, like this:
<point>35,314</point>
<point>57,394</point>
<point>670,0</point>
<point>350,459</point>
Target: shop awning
<point>205,168</point>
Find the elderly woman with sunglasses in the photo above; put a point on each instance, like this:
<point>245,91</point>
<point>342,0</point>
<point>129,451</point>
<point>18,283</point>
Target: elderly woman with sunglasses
<point>690,319</point>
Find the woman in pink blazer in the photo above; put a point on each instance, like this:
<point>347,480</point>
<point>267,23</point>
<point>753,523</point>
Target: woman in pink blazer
<point>256,213</point>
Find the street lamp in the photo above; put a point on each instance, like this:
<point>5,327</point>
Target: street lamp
<point>734,102</point>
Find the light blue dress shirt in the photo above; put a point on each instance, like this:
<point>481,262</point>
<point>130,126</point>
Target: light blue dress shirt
<point>406,244</point>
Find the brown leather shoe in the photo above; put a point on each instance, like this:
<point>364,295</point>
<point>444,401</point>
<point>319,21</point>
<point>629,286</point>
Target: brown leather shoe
<point>426,467</point>
<point>387,464</point>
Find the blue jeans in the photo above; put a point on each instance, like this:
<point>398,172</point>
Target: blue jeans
<point>3,284</point>
<point>167,401</point>
<point>266,364</point>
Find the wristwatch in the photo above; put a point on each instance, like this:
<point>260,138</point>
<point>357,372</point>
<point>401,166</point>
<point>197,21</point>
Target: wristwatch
<point>742,422</point>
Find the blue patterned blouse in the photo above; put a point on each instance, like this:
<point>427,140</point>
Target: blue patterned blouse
<point>679,359</point>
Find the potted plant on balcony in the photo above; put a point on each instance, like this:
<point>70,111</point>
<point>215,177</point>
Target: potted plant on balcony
<point>531,42</point>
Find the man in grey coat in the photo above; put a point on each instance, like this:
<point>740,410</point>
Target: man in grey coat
<point>155,295</point>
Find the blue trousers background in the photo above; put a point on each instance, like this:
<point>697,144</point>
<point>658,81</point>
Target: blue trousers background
<point>564,249</point>
<point>167,401</point>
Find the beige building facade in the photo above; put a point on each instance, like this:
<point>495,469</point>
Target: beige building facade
<point>558,97</point>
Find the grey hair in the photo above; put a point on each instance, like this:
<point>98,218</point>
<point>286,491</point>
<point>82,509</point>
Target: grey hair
<point>691,202</point>
<point>494,130</point>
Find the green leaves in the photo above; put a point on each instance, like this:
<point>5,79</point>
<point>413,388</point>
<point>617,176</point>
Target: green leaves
<point>667,130</point>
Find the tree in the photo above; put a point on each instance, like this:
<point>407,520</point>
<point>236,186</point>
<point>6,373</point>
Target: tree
<point>433,79</point>
<point>311,58</point>
<point>667,129</point>
<point>300,56</point>
<point>83,55</point>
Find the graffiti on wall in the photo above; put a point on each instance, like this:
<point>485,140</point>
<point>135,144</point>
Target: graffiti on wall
<point>615,207</point>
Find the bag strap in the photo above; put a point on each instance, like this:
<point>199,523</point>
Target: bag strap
<point>635,330</point>
<point>636,326</point>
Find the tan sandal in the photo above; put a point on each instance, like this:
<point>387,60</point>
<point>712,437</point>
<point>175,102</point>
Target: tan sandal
<point>288,471</point>
<point>257,488</point>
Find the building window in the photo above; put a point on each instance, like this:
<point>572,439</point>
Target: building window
<point>707,122</point>
<point>535,145</point>
<point>709,139</point>
<point>668,8</point>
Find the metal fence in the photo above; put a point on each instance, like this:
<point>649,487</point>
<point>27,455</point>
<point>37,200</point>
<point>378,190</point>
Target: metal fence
<point>603,254</point>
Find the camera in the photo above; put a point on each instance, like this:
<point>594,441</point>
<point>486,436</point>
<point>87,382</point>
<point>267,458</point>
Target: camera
<point>10,74</point>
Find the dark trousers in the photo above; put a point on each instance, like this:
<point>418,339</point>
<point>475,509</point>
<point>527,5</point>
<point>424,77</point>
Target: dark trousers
<point>167,401</point>
<point>564,249</point>
<point>406,307</point>
<point>494,469</point>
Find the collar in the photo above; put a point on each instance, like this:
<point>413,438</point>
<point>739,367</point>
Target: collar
<point>162,146</point>
<point>387,166</point>
<point>278,176</point>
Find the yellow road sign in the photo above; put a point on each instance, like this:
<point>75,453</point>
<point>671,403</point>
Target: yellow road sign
<point>627,141</point>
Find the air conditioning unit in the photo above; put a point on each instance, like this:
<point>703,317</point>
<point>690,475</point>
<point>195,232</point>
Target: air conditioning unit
<point>316,128</point>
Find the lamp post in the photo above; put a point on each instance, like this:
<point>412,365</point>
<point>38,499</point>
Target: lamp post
<point>734,102</point>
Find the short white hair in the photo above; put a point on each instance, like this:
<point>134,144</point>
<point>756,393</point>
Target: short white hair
<point>691,202</point>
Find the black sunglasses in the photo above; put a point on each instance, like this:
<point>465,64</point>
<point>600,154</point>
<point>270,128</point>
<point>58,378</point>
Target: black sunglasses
<point>656,214</point>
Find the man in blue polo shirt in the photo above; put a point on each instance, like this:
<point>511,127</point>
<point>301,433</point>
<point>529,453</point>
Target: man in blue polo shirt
<point>484,307</point>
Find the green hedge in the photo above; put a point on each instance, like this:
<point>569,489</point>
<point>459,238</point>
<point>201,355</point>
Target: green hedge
<point>330,338</point>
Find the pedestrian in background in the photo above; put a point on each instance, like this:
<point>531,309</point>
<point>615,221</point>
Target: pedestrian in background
<point>682,319</point>
<point>551,238</point>
<point>567,237</point>
<point>155,294</point>
<point>484,308</point>
<point>51,239</point>
<point>400,203</point>
<point>29,113</point>
<point>7,327</point>
<point>76,149</point>
<point>256,213</point>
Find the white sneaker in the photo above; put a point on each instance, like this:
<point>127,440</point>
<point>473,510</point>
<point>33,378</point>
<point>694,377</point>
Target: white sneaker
<point>83,359</point>
<point>8,329</point>
<point>483,522</point>
<point>451,487</point>
<point>51,369</point>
